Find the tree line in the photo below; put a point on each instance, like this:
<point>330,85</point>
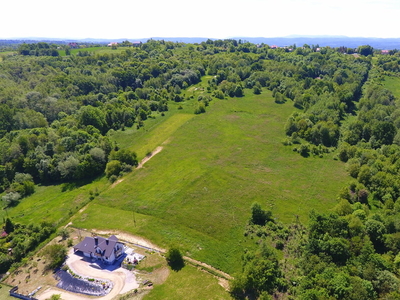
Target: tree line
<point>349,253</point>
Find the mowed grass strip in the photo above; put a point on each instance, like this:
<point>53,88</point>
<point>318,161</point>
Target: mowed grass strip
<point>188,283</point>
<point>214,167</point>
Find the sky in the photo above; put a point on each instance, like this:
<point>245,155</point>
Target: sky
<point>206,18</point>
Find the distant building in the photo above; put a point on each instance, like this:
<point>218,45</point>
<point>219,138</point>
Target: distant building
<point>136,44</point>
<point>112,44</point>
<point>107,250</point>
<point>385,52</point>
<point>73,45</point>
<point>274,47</point>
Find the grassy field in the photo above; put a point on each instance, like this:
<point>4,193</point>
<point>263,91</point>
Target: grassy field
<point>51,204</point>
<point>159,129</point>
<point>188,283</point>
<point>393,84</point>
<point>146,140</point>
<point>197,192</point>
<point>100,50</point>
<point>4,292</point>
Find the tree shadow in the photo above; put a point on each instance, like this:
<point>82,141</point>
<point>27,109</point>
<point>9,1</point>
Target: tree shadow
<point>177,265</point>
<point>305,154</point>
<point>175,259</point>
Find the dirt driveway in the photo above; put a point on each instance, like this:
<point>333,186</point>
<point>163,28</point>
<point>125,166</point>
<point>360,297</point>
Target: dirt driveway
<point>122,279</point>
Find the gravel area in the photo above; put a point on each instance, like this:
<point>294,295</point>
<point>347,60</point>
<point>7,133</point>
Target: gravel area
<point>123,280</point>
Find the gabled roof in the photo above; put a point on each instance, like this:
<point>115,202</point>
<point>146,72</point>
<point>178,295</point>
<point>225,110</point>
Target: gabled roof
<point>113,237</point>
<point>89,245</point>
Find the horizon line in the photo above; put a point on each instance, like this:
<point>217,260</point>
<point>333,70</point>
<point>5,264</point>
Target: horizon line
<point>294,36</point>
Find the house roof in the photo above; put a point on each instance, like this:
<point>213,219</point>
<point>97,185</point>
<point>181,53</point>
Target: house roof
<point>89,245</point>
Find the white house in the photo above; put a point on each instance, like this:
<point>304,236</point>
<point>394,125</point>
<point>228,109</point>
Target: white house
<point>107,250</point>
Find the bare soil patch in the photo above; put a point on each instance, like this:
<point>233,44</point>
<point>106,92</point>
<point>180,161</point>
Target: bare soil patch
<point>134,239</point>
<point>33,273</point>
<point>148,157</point>
<point>117,182</point>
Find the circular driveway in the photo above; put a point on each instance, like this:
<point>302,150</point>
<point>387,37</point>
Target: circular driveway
<point>123,280</point>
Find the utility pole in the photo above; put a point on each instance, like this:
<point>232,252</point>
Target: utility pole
<point>133,214</point>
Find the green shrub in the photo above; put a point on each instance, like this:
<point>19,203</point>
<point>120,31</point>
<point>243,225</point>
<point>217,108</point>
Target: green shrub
<point>200,108</point>
<point>55,255</point>
<point>114,167</point>
<point>113,178</point>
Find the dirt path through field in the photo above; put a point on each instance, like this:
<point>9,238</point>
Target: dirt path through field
<point>148,157</point>
<point>142,162</point>
<point>134,239</point>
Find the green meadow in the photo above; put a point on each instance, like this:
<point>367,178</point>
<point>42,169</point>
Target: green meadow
<point>180,285</point>
<point>100,50</point>
<point>392,84</point>
<point>53,203</point>
<point>197,192</point>
<point>146,140</point>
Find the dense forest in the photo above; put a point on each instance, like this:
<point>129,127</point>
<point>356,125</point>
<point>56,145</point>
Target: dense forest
<point>57,111</point>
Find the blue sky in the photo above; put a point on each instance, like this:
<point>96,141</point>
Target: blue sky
<point>205,18</point>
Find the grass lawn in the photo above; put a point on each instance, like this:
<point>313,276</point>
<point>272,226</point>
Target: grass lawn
<point>392,84</point>
<point>188,283</point>
<point>4,292</point>
<point>197,192</point>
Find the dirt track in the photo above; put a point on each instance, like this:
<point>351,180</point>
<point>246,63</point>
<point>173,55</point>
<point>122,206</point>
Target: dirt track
<point>148,157</point>
<point>140,165</point>
<point>143,242</point>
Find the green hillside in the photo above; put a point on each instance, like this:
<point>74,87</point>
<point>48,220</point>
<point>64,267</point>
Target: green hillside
<point>278,166</point>
<point>198,190</point>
